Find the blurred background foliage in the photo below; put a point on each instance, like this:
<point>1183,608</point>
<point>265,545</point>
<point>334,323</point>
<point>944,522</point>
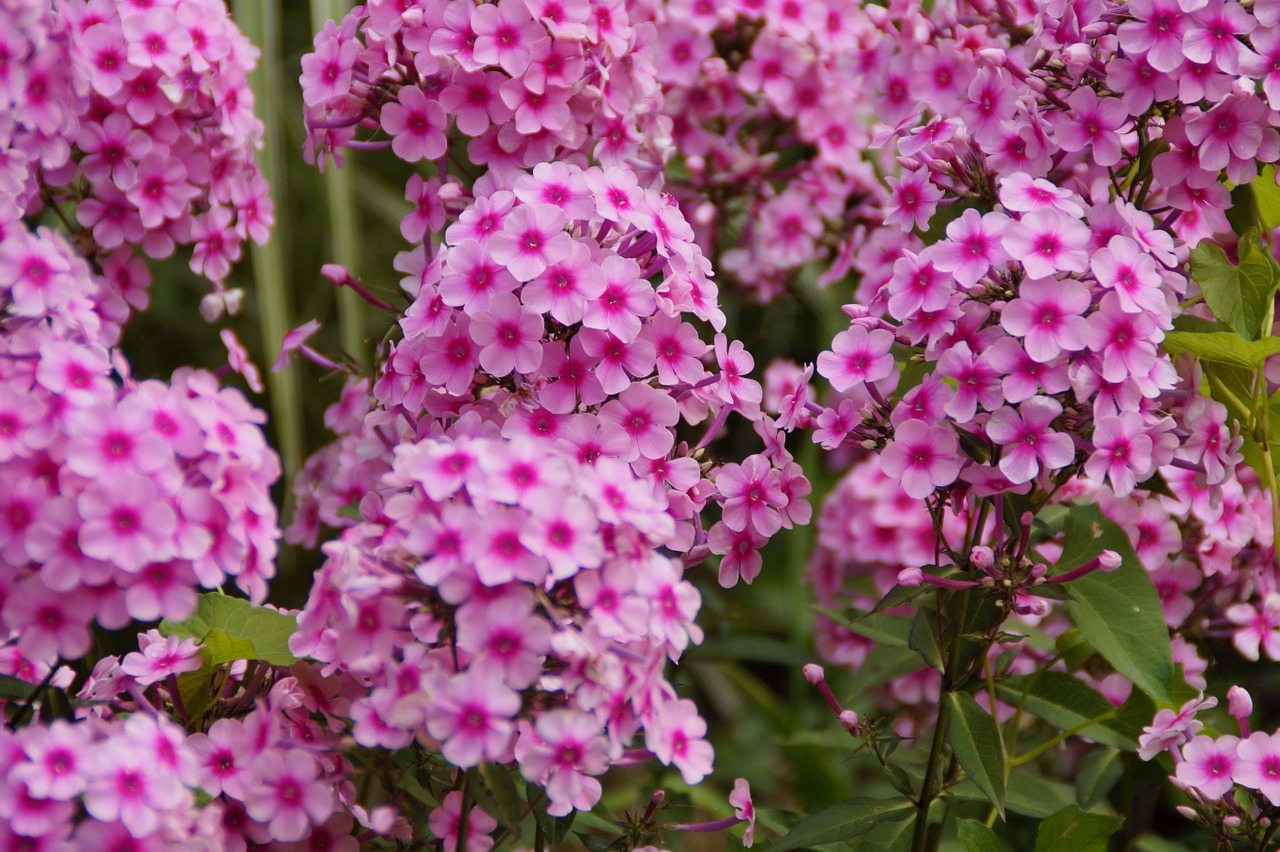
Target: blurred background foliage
<point>767,723</point>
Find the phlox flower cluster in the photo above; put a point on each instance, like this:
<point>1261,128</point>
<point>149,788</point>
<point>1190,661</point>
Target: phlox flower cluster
<point>516,582</point>
<point>134,122</point>
<point>769,115</point>
<point>263,767</point>
<point>524,81</point>
<point>119,496</point>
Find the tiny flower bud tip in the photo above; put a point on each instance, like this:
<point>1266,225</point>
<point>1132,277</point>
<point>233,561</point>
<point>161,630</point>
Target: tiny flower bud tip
<point>814,673</point>
<point>982,557</point>
<point>1239,702</point>
<point>849,719</point>
<point>1108,560</point>
<point>910,577</point>
<point>1186,811</point>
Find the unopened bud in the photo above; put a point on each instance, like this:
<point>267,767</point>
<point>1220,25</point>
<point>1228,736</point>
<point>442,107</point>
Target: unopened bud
<point>982,557</point>
<point>1187,811</point>
<point>910,577</point>
<point>1239,702</point>
<point>814,673</point>
<point>1039,570</point>
<point>1108,560</point>
<point>992,56</point>
<point>849,719</point>
<point>1231,821</point>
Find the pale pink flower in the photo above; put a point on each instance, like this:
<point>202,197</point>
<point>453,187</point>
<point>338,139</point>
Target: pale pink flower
<point>1027,441</point>
<point>922,457</point>
<point>1208,765</point>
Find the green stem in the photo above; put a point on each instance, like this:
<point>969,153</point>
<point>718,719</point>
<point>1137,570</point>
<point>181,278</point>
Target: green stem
<point>920,834</point>
<point>1050,743</point>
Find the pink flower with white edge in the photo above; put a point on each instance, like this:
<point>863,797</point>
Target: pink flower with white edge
<point>857,356</point>
<point>752,495</point>
<point>1122,452</point>
<point>222,759</point>
<point>675,736</point>
<point>1046,242</point>
<point>1258,765</point>
<point>1047,315</point>
<point>923,457</point>
<point>417,126</point>
<point>972,247</point>
<point>645,415</point>
<point>161,657</point>
<point>561,752</point>
<point>471,714</point>
<point>446,824</point>
<point>912,200</point>
<point>1208,765</point>
<point>532,237</point>
<point>1027,441</point>
<point>290,796</point>
<point>55,764</point>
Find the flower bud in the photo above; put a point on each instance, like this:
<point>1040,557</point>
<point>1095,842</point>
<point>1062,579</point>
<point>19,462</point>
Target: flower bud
<point>1239,702</point>
<point>814,673</point>
<point>849,719</point>
<point>910,577</point>
<point>1187,811</point>
<point>991,56</point>
<point>982,557</point>
<point>1108,561</point>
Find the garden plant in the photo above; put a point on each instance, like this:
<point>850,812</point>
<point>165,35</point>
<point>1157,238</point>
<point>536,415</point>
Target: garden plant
<point>689,424</point>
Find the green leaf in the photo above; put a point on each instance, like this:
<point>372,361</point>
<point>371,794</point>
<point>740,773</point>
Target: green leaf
<point>843,821</point>
<point>1242,215</point>
<point>891,630</point>
<point>977,746</point>
<point>1267,192</point>
<point>1223,347</point>
<point>221,648</point>
<point>1119,612</point>
<point>976,837</point>
<point>1099,772</point>
<point>194,690</point>
<point>256,633</point>
<point>1237,295</point>
<point>944,216</point>
<point>1066,702</point>
<point>924,637</point>
<point>15,688</point>
<point>1232,386</point>
<point>899,596</point>
<point>1074,830</point>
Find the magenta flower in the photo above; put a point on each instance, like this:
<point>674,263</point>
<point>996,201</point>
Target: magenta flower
<point>417,126</point>
<point>1157,29</point>
<point>561,752</point>
<point>222,759</point>
<point>753,495</point>
<point>1133,274</point>
<point>126,782</point>
<point>972,247</point>
<point>505,636</point>
<point>565,534</point>
<point>1208,765</point>
<point>645,415</point>
<point>126,522</point>
<point>473,101</point>
<point>675,736</point>
<point>1233,128</point>
<point>509,337</point>
<point>1046,242</point>
<point>532,237</point>
<point>912,200</point>
<point>918,283</point>
<point>1093,123</point>
<point>161,657</point>
<point>922,457</point>
<point>1047,315</point>
<point>1026,440</point>
<point>1123,452</point>
<point>565,287</point>
<point>1212,38</point>
<point>56,760</point>
<point>471,715</point>
<point>446,824</point>
<point>1258,765</point>
<point>857,356</point>
<point>504,35</point>
<point>290,797</point>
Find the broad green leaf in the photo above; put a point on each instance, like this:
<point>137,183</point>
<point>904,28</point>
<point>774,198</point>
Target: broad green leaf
<point>891,630</point>
<point>15,689</point>
<point>944,216</point>
<point>976,837</point>
<point>1223,347</point>
<point>1119,612</point>
<point>900,596</point>
<point>1267,192</point>
<point>1065,702</point>
<point>1030,795</point>
<point>1237,295</point>
<point>221,648</point>
<point>1099,772</point>
<point>1242,215</point>
<point>1074,830</point>
<point>844,821</point>
<point>924,637</point>
<point>1191,322</point>
<point>194,690</point>
<point>977,746</point>
<point>266,630</point>
<point>1232,386</point>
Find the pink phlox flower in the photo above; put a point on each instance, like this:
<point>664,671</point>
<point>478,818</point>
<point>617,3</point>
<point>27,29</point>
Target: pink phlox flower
<point>509,336</point>
<point>675,736</point>
<point>1170,729</point>
<point>239,361</point>
<point>1046,241</point>
<point>922,457</point>
<point>1047,315</point>
<point>673,605</point>
<point>677,349</point>
<point>646,416</point>
<point>504,35</point>
<point>1123,452</point>
<point>156,39</point>
<point>743,809</point>
<point>1093,123</point>
<point>565,534</point>
<point>1023,193</point>
<point>472,98</point>
<point>1258,765</point>
<point>625,300</point>
<point>326,72</point>
<point>558,185</point>
<point>471,278</point>
<point>504,634</point>
<point>1211,441</point>
<point>446,824</point>
<point>161,657</point>
<point>532,237</point>
<point>290,795</point>
<point>294,340</point>
<point>428,214</point>
<point>471,715</point>
<point>1213,36</point>
<point>740,550</point>
<point>127,782</point>
<point>857,356</point>
<point>56,758</point>
<point>417,125</point>
<point>1232,128</point>
<point>752,495</point>
<point>496,552</point>
<point>482,219</point>
<point>835,424</point>
<point>561,751</point>
<point>1256,627</point>
<point>734,388</point>
<point>126,521</point>
<point>619,362</point>
<point>1132,274</point>
<point>912,200</point>
<point>450,360</point>
<point>566,287</point>
<point>1157,30</point>
<point>973,246</point>
<point>222,759</point>
<point>1208,765</point>
<point>977,382</point>
<point>1126,341</point>
<point>570,377</point>
<point>918,283</point>
<point>1027,441</point>
<point>992,99</point>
